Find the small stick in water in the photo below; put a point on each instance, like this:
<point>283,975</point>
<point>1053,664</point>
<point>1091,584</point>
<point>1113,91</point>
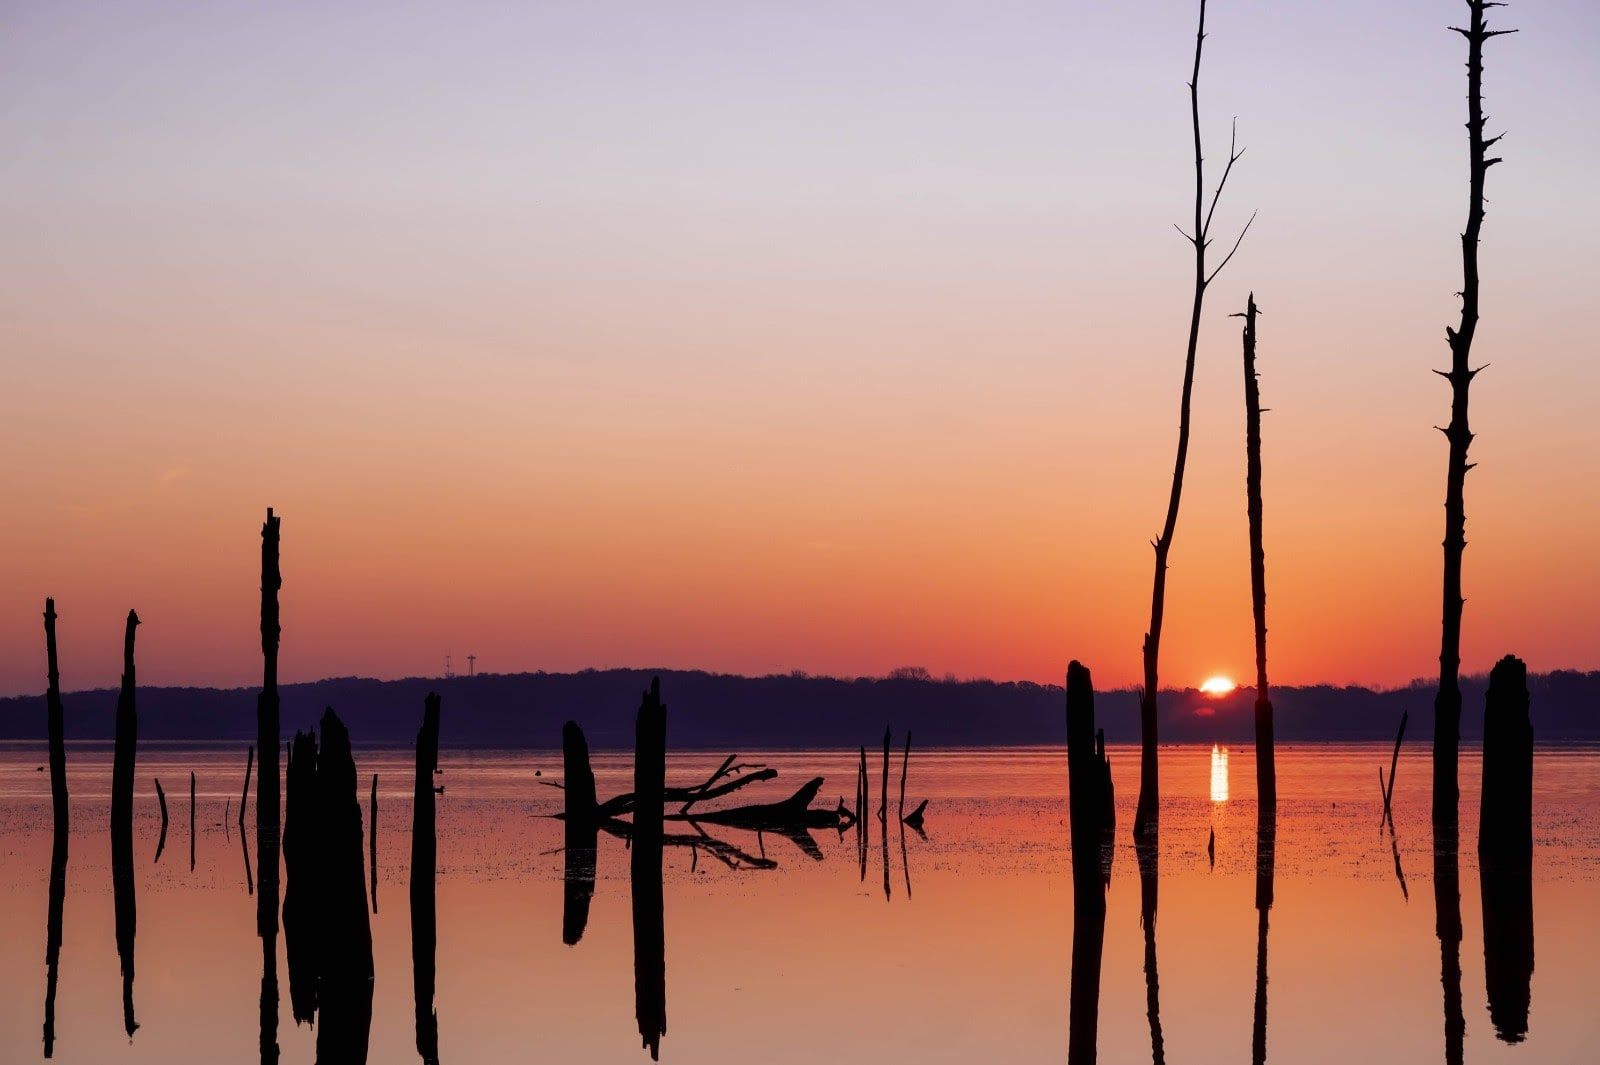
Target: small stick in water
<point>1211,848</point>
<point>905,760</point>
<point>161,797</point>
<point>191,820</point>
<point>244,800</point>
<point>883,807</point>
<point>372,841</point>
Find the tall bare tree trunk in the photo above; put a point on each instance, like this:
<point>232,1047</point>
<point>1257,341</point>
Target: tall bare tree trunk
<point>424,899</point>
<point>1148,812</point>
<point>55,722</point>
<point>1447,704</point>
<point>267,825</point>
<point>1266,756</point>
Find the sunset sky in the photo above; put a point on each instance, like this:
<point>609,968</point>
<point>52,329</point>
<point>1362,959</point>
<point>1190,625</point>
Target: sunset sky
<point>758,337</point>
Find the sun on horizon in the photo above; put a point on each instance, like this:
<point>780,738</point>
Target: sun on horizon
<point>1218,685</point>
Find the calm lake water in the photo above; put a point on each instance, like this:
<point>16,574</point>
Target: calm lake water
<point>951,948</point>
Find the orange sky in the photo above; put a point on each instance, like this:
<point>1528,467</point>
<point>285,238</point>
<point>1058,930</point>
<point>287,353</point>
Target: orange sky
<point>721,362</point>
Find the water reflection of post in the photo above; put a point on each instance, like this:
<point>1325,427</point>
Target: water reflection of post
<point>1145,850</point>
<point>344,990</point>
<point>424,902</point>
<point>1447,925</point>
<point>1087,796</point>
<point>55,727</point>
<point>303,878</point>
<point>267,827</point>
<point>122,883</point>
<point>649,933</point>
<point>1266,843</point>
<point>1505,850</point>
<point>581,832</point>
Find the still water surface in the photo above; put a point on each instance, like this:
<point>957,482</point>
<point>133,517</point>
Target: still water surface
<point>951,948</point>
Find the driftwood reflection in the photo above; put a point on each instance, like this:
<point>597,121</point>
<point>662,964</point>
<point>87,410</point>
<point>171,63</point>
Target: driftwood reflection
<point>344,978</point>
<point>1508,946</point>
<point>424,901</point>
<point>302,877</point>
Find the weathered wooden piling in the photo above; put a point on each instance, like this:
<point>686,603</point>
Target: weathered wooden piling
<point>122,768</point>
<point>1505,849</point>
<point>1085,787</point>
<point>424,901</point>
<point>267,790</point>
<point>55,728</point>
<point>582,829</point>
<point>1505,821</point>
<point>649,933</point>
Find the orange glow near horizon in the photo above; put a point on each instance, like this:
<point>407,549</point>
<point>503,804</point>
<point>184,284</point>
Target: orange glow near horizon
<point>1217,685</point>
<point>580,359</point>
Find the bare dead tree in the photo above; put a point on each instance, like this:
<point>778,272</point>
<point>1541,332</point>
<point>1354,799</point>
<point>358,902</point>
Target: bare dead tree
<point>55,726</point>
<point>268,850</point>
<point>1447,704</point>
<point>1266,755</point>
<point>1148,813</point>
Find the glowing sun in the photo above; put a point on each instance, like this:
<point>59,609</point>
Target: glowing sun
<point>1218,685</point>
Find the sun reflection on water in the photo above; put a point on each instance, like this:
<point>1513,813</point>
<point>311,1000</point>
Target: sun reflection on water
<point>1219,773</point>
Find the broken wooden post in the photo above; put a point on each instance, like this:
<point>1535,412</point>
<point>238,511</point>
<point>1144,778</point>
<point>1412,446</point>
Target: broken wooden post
<point>267,825</point>
<point>1505,821</point>
<point>1505,849</point>
<point>244,799</point>
<point>1085,795</point>
<point>122,766</point>
<point>55,728</point>
<point>582,826</point>
<point>344,987</point>
<point>649,934</point>
<point>424,900</point>
<point>1084,787</point>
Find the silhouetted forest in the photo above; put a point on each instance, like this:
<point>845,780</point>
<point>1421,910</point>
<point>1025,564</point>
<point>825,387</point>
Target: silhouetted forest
<point>791,710</point>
